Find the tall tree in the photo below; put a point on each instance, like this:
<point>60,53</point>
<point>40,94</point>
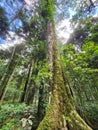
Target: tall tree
<point>61,114</point>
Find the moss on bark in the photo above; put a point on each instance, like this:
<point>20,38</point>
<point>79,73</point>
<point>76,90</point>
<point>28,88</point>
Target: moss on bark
<point>76,122</point>
<point>60,105</point>
<point>54,117</point>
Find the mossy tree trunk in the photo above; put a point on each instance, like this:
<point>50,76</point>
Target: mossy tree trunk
<point>61,113</point>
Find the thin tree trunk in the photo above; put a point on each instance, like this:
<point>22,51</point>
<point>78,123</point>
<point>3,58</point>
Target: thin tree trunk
<point>32,88</point>
<point>41,103</point>
<point>30,95</point>
<point>18,85</point>
<point>6,88</point>
<point>26,83</point>
<point>8,75</point>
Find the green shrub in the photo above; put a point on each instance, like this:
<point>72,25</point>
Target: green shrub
<point>10,112</point>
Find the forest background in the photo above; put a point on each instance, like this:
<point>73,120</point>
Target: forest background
<point>44,83</point>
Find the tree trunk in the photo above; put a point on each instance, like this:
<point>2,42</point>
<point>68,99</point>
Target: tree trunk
<point>32,87</point>
<point>61,114</point>
<point>18,85</point>
<point>8,76</point>
<point>41,102</point>
<point>26,83</point>
<point>61,110</point>
<point>7,84</point>
<point>30,95</point>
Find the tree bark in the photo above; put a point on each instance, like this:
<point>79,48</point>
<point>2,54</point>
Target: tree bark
<point>7,84</point>
<point>26,83</point>
<point>32,87</point>
<point>8,76</point>
<point>41,102</point>
<point>61,114</point>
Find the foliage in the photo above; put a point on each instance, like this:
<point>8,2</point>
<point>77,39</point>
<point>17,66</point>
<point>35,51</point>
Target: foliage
<point>84,31</point>
<point>17,116</point>
<point>3,21</point>
<point>10,115</point>
<point>89,112</point>
<point>94,34</point>
<point>2,67</point>
<point>13,93</point>
<point>10,125</point>
<point>92,54</point>
<point>81,72</point>
<point>48,9</point>
<point>43,73</point>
